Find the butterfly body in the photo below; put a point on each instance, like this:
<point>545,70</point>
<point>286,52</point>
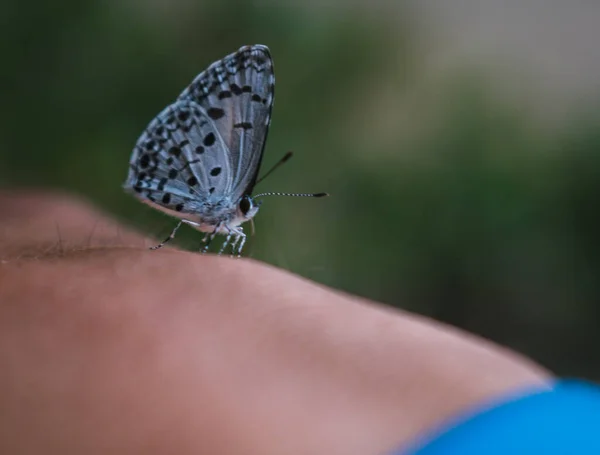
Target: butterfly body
<point>198,159</point>
<point>220,216</point>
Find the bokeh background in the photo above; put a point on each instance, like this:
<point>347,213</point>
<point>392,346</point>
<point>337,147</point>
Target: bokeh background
<point>460,141</point>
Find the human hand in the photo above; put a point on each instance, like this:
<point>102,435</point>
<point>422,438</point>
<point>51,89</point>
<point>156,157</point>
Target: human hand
<point>106,347</point>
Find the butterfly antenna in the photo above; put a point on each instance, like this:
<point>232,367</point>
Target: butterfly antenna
<point>286,157</point>
<point>292,194</point>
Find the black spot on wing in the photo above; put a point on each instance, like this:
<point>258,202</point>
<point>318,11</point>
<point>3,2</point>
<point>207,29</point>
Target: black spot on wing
<point>209,139</point>
<point>215,113</point>
<point>144,161</point>
<point>243,125</point>
<point>215,171</point>
<point>224,94</point>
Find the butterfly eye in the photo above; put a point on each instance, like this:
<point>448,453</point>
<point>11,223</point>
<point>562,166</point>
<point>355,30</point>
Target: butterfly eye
<point>245,205</point>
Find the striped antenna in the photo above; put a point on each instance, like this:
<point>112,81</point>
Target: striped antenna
<point>292,194</point>
<point>286,157</point>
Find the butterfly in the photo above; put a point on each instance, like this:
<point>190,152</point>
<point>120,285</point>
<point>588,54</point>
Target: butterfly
<point>198,160</point>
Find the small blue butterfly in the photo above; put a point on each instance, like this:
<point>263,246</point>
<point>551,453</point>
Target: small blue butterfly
<point>199,159</point>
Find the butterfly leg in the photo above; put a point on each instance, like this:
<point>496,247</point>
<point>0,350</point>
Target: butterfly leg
<point>170,237</point>
<point>234,245</point>
<point>210,239</point>
<point>242,241</point>
<point>239,235</point>
<point>226,242</point>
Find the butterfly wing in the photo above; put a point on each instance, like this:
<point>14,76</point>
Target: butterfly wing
<point>237,93</point>
<point>180,160</point>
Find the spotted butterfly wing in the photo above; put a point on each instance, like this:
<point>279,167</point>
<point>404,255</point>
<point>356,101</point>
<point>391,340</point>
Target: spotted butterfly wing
<point>180,160</point>
<point>199,158</point>
<point>238,93</point>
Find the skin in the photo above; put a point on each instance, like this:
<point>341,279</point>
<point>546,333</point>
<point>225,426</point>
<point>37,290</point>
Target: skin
<point>106,347</point>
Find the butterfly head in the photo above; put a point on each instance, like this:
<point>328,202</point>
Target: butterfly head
<point>247,208</point>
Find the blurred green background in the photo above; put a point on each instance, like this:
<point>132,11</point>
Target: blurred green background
<point>464,186</point>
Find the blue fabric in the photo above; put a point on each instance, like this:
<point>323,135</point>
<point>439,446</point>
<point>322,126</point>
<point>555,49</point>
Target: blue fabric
<point>562,420</point>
